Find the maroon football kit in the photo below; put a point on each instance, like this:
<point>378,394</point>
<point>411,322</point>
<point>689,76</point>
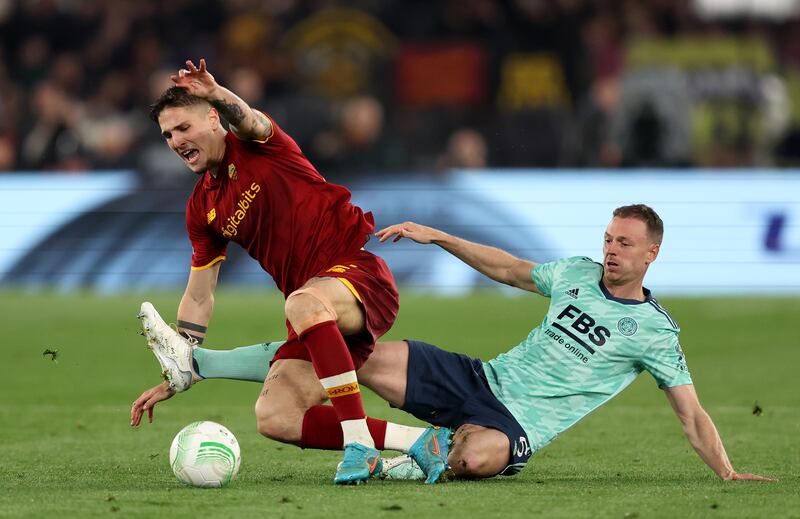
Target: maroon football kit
<point>268,198</point>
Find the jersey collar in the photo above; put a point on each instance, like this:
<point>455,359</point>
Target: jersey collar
<point>647,296</point>
<point>210,181</point>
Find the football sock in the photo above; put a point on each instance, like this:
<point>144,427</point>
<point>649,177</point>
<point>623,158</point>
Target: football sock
<point>245,363</point>
<point>322,430</point>
<point>401,437</point>
<point>334,367</point>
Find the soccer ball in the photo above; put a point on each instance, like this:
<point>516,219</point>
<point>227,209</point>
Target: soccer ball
<point>205,454</point>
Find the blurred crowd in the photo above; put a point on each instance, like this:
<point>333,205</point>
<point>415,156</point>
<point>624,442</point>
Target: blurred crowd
<point>370,86</point>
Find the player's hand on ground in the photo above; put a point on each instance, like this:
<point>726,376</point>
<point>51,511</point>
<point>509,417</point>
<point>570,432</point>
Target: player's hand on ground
<point>412,231</point>
<point>198,81</point>
<point>735,476</point>
<point>148,400</point>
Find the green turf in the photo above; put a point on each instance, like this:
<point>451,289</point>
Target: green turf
<point>68,450</point>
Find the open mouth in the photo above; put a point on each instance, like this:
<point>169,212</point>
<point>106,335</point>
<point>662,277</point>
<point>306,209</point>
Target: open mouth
<point>612,264</point>
<point>190,155</point>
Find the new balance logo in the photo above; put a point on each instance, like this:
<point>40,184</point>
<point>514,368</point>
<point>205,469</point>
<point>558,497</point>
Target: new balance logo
<point>573,293</point>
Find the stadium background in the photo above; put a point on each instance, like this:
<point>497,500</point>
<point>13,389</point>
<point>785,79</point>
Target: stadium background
<point>519,123</point>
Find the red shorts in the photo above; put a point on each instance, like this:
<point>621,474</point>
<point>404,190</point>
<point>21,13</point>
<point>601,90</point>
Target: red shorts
<point>371,281</point>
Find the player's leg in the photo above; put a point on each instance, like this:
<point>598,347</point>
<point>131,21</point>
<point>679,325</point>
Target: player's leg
<point>451,389</point>
<point>289,409</point>
<point>290,389</point>
<point>386,370</point>
<point>281,415</point>
<point>386,373</point>
<point>478,452</point>
<point>249,363</point>
<point>183,362</point>
<point>286,418</point>
<point>322,312</point>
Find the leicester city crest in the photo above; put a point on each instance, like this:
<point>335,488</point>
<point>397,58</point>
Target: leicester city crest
<point>627,326</point>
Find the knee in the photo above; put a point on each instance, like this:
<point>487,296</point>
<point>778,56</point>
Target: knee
<point>478,452</point>
<point>304,310</point>
<point>277,425</point>
<point>472,463</point>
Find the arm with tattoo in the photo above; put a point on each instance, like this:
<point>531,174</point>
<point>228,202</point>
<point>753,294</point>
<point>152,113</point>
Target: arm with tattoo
<point>246,123</point>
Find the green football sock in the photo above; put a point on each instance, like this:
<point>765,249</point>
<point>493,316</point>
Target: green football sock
<point>245,363</point>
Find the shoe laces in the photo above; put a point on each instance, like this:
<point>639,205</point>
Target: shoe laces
<point>354,453</point>
<point>191,340</point>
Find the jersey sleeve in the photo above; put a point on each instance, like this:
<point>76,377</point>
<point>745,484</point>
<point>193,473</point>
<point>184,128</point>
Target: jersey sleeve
<point>544,275</point>
<point>286,155</point>
<point>277,141</point>
<point>207,248</point>
<point>666,362</point>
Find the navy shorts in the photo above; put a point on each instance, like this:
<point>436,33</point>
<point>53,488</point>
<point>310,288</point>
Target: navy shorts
<point>450,389</point>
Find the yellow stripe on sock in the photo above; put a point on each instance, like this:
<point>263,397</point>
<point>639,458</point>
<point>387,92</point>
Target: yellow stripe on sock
<point>350,388</point>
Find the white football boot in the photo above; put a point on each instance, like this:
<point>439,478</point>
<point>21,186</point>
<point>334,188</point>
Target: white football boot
<point>173,351</point>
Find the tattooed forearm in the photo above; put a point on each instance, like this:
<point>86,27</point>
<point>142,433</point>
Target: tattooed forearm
<point>256,125</point>
<point>231,112</point>
<point>260,125</point>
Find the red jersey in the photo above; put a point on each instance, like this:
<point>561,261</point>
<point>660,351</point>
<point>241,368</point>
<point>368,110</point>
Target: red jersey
<point>268,198</point>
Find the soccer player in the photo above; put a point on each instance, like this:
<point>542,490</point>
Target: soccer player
<point>256,188</point>
<point>603,328</point>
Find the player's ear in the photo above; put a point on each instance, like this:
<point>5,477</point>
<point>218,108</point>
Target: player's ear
<point>652,252</point>
<point>213,118</point>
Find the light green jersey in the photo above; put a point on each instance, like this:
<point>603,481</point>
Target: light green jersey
<point>589,347</point>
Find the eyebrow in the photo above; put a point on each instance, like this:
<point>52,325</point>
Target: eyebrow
<point>164,133</point>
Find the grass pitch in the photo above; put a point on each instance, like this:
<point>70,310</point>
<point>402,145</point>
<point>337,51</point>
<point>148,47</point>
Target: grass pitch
<point>68,449</point>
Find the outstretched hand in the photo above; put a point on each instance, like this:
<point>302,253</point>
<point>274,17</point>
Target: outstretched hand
<point>148,400</point>
<point>197,81</point>
<point>412,231</point>
<point>735,476</point>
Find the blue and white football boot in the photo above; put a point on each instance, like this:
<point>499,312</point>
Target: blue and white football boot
<point>359,463</point>
<point>430,452</point>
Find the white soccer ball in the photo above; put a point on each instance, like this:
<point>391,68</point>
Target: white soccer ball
<point>205,454</point>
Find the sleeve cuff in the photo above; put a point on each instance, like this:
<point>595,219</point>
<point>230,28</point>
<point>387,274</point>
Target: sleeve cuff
<point>210,264</point>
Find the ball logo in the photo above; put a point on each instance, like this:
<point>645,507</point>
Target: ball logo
<point>627,326</point>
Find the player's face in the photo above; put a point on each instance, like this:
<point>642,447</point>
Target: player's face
<point>627,251</point>
<point>194,133</point>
